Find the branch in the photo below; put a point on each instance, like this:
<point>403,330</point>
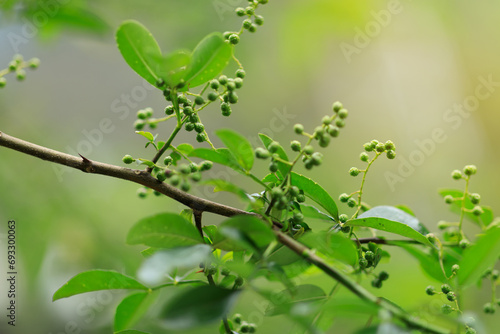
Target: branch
<point>133,175</point>
<point>199,205</point>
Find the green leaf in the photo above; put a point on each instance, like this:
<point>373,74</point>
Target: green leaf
<point>139,49</point>
<point>208,59</point>
<point>383,224</point>
<point>146,162</point>
<point>210,231</point>
<point>239,146</point>
<point>479,257</point>
<point>187,214</point>
<point>132,308</point>
<point>165,230</point>
<point>162,263</point>
<point>315,192</point>
<point>332,245</point>
<point>148,135</point>
<point>223,185</point>
<point>310,211</point>
<point>283,256</point>
<point>282,167</point>
<point>486,218</point>
<point>131,331</point>
<point>350,307</point>
<point>185,148</point>
<point>172,68</point>
<point>285,300</point>
<point>397,215</point>
<point>217,156</point>
<point>197,306</point>
<point>429,262</point>
<point>243,232</point>
<point>95,280</point>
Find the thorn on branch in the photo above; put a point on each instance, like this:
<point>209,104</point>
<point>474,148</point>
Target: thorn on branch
<point>87,164</point>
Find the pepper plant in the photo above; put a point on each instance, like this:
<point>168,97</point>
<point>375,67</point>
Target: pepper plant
<point>269,239</point>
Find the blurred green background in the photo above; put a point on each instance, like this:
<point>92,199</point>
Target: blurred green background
<point>413,72</point>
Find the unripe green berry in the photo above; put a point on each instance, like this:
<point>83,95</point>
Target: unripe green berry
<point>274,147</point>
<point>247,24</point>
<point>3,82</point>
<point>234,39</point>
<point>296,146</point>
<point>200,137</point>
<point>298,128</point>
<point>161,176</point>
<point>142,192</point>
<point>494,275</point>
<point>252,28</point>
<point>141,114</point>
<point>301,198</point>
<point>249,10</point>
<point>448,199</point>
<point>263,2</point>
<point>12,65</point>
<point>223,80</point>
<point>475,198</point>
<point>193,167</point>
<point>232,96</point>
<point>185,186</point>
<point>383,276</point>
<point>148,111</point>
<point>175,180</point>
<point>380,147</point>
<point>351,202</point>
<point>139,124</point>
<point>374,143</point>
<point>344,197</point>
<point>189,127</point>
<point>446,309</point>
<point>389,145</point>
<point>199,100</point>
<point>368,147</point>
<point>214,84</point>
<point>169,110</point>
<point>239,281</point>
<point>240,73</point>
<point>168,160</point>
<point>225,108</point>
<point>153,125</point>
<point>185,169</point>
<point>273,167</point>
<point>128,159</point>
<point>298,217</point>
<point>363,263</point>
<point>391,154</point>
<point>431,237</point>
<point>470,170</point>
<point>455,268</point>
<point>354,171</point>
<point>237,318</point>
<point>308,150</point>
<point>340,123</point>
<point>20,75</point>
<point>333,131</point>
<point>317,158</point>
<point>326,120</point>
<point>445,288</point>
<point>206,165</point>
<point>238,82</point>
<point>262,153</point>
<point>212,96</point>
<point>451,296</point>
<point>343,113</point>
<point>364,157</point>
<point>377,283</point>
<point>259,20</point>
<point>240,11</point>
<point>337,106</point>
<point>199,127</point>
<point>477,210</point>
<point>456,174</point>
<point>245,328</point>
<point>430,290</point>
<point>369,255</point>
<point>34,63</point>
<point>343,218</point>
<point>489,308</point>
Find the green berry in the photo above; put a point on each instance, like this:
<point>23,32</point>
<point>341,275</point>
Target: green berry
<point>343,113</point>
<point>489,308</point>
<point>141,114</point>
<point>475,198</point>
<point>343,218</point>
<point>455,268</point>
<point>161,176</point>
<point>193,167</point>
<point>239,281</point>
<point>354,171</point>
<point>274,147</point>
<point>185,169</point>
<point>364,157</point>
<point>380,147</point>
<point>262,153</point>
<point>344,198</point>
<point>247,24</point>
<point>142,192</point>
<point>240,73</point>
<point>252,28</point>
<point>368,147</point>
<point>232,96</point>
<point>148,111</point>
<point>369,255</point>
<point>339,123</point>
<point>3,82</point>
<point>308,150</point>
<point>456,174</point>
<point>430,290</point>
<point>377,283</point>
<point>337,106</point>
<point>200,137</point>
<point>168,160</point>
<point>226,34</point>
<point>214,84</point>
<point>363,263</point>
<point>448,199</point>
<point>389,145</point>
<point>295,146</point>
<point>250,10</point>
<point>470,170</point>
<point>333,131</point>
<point>326,120</point>
<point>153,125</point>
<point>139,124</point>
<point>301,198</point>
<point>351,202</point>
<point>263,1</point>
<point>206,165</point>
<point>225,108</point>
<point>259,20</point>
<point>317,158</point>
<point>391,154</point>
<point>273,167</point>
<point>298,217</point>
<point>199,127</point>
<point>245,328</point>
<point>477,210</point>
<point>20,75</point>
<point>175,180</point>
<point>189,127</point>
<point>237,318</point>
<point>34,63</point>
<point>234,39</point>
<point>431,237</point>
<point>240,11</point>
<point>451,296</point>
<point>212,96</point>
<point>494,275</point>
<point>223,80</point>
<point>12,65</point>
<point>238,82</point>
<point>298,128</point>
<point>199,100</point>
<point>446,309</point>
<point>345,229</point>
<point>185,186</point>
<point>445,288</point>
<point>128,159</point>
<point>383,276</point>
<point>169,110</point>
<point>374,143</point>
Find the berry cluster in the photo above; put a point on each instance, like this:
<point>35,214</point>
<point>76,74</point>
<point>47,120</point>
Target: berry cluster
<point>370,258</point>
<point>253,20</point>
<point>224,89</point>
<point>450,295</point>
<point>17,65</point>
<point>242,326</point>
<point>143,118</point>
<point>181,176</point>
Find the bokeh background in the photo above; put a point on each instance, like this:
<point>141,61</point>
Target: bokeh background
<point>424,74</point>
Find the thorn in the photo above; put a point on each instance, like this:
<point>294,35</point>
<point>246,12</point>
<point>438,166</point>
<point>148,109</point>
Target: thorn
<point>87,164</point>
